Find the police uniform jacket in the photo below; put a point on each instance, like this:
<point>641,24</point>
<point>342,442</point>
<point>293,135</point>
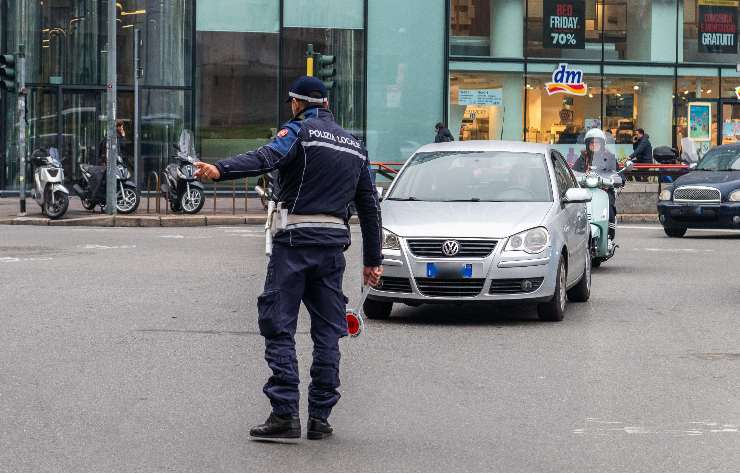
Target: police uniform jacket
<point>321,169</point>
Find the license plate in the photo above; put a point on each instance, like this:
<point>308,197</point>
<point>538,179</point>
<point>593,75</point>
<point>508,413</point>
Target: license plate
<point>449,271</point>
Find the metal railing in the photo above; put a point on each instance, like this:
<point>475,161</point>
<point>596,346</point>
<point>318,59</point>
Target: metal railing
<point>157,188</point>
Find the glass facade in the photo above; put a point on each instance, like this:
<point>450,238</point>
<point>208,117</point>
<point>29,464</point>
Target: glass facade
<point>534,70</point>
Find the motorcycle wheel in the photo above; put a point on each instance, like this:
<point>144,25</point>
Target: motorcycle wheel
<point>87,204</point>
<point>191,202</point>
<point>59,208</point>
<point>127,201</point>
<point>596,262</point>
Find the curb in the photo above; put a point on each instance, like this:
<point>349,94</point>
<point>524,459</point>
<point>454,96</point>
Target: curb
<point>638,218</point>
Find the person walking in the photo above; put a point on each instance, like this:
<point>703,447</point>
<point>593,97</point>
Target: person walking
<point>443,134</point>
<point>321,168</point>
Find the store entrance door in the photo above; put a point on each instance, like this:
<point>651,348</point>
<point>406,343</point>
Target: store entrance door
<point>729,131</point>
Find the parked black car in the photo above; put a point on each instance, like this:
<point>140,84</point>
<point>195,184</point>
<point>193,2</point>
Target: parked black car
<point>707,197</point>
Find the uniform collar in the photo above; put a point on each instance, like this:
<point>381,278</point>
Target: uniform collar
<point>314,112</point>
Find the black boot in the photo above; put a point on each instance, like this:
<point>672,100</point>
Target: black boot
<point>318,429</point>
<point>280,429</point>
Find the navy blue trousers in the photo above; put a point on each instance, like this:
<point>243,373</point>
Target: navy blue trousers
<point>312,274</point>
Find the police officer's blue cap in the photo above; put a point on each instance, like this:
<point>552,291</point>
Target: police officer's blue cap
<point>310,89</point>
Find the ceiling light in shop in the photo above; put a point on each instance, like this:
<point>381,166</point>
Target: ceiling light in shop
<point>709,91</point>
<point>686,92</point>
<point>635,87</point>
<point>590,96</point>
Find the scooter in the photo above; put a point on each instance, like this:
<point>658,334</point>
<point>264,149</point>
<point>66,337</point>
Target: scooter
<point>48,176</point>
<point>179,184</point>
<point>127,195</point>
<point>603,246</point>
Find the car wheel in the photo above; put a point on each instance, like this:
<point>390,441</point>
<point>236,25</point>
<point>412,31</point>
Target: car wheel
<point>675,232</point>
<point>554,310</point>
<point>378,310</point>
<point>581,292</point>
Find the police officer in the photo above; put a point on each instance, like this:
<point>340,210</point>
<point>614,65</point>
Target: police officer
<point>321,169</point>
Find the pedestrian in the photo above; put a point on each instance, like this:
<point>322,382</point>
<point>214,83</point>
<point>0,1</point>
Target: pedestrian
<point>321,168</point>
<point>443,134</point>
<point>642,149</point>
<point>98,172</point>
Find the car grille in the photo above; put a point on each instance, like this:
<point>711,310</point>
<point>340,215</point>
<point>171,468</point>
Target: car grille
<point>450,287</point>
<point>432,248</point>
<point>514,286</point>
<point>391,284</point>
<point>697,194</point>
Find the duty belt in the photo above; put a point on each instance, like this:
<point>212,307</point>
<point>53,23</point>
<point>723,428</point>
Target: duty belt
<point>282,220</point>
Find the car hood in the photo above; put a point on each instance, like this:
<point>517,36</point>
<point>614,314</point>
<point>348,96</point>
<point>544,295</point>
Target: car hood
<point>462,219</point>
<point>725,181</point>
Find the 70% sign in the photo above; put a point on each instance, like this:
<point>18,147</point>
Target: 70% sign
<point>563,39</point>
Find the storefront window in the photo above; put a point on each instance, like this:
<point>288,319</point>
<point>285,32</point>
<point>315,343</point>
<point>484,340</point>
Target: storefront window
<point>486,106</point>
<point>639,30</point>
<point>487,28</point>
<point>709,31</point>
<point>561,115</point>
<point>563,29</point>
<point>640,101</point>
<point>405,75</point>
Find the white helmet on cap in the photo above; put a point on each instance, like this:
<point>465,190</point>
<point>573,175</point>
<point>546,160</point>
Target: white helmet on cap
<point>595,133</point>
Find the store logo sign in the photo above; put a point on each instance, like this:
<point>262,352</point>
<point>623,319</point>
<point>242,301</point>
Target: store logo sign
<point>567,81</point>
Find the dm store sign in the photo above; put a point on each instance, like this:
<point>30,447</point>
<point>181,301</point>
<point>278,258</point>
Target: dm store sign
<point>567,81</point>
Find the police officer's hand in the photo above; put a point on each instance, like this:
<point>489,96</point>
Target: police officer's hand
<point>371,275</point>
<point>206,170</point>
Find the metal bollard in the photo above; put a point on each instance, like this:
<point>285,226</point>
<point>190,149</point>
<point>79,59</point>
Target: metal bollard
<point>233,197</point>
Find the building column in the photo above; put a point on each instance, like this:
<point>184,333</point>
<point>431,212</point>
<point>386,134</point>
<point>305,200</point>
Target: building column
<point>507,23</point>
<point>513,104</point>
<point>655,105</point>
<point>651,30</point>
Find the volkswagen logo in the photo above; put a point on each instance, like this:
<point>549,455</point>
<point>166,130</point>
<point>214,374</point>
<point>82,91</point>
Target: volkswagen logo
<point>450,248</point>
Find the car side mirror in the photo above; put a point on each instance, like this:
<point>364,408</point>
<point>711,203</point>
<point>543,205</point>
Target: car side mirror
<point>693,165</point>
<point>577,196</point>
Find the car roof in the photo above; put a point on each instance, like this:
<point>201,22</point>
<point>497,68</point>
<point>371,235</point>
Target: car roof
<point>485,145</point>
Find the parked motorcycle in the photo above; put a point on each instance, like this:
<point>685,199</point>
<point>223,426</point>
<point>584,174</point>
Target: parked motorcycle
<point>184,192</point>
<point>92,194</point>
<point>603,246</point>
<point>48,176</point>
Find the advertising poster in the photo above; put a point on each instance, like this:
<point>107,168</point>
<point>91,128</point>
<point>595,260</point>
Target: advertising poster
<point>563,24</point>
<point>700,121</point>
<point>718,26</point>
<point>480,96</point>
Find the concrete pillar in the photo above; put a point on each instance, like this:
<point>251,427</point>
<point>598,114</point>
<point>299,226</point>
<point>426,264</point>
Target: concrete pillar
<point>651,30</point>
<point>655,105</point>
<point>513,102</point>
<point>507,23</point>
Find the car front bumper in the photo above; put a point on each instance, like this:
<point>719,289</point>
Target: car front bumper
<point>725,215</point>
<point>501,271</point>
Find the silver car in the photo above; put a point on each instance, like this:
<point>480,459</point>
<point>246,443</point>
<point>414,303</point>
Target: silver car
<point>484,221</point>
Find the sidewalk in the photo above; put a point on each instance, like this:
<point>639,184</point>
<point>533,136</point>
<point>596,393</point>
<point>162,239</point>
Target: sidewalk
<point>224,215</point>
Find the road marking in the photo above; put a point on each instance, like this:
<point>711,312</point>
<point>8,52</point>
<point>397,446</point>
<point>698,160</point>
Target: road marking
<point>14,259</point>
<point>692,429</point>
<point>105,247</point>
<point>172,236</point>
<point>673,250</point>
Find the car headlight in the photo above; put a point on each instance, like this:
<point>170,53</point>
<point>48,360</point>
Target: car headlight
<point>734,196</point>
<point>390,241</point>
<point>531,241</point>
<point>666,194</point>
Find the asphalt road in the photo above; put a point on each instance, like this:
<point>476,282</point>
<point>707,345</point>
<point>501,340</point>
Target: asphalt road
<point>136,350</point>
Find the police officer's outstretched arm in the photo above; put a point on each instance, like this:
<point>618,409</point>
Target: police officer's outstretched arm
<point>368,210</point>
<point>269,157</point>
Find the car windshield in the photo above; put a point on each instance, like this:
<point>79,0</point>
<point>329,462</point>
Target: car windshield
<point>474,176</point>
<point>720,159</point>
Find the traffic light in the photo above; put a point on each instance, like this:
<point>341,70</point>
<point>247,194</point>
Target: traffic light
<point>325,69</point>
<point>7,72</point>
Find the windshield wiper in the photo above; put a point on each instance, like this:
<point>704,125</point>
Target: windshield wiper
<point>405,199</point>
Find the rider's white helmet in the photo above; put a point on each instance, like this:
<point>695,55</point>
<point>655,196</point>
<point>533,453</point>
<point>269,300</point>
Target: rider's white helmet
<point>595,133</point>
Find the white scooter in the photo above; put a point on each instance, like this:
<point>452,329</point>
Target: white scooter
<point>48,176</point>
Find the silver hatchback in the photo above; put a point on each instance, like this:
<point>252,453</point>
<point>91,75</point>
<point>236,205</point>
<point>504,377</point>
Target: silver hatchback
<point>484,221</point>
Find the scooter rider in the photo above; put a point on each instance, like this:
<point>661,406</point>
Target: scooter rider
<point>596,156</point>
<point>321,169</point>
